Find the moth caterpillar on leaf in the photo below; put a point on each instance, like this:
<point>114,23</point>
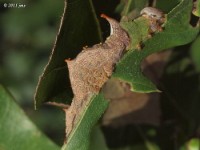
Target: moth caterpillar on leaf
<point>92,68</point>
<point>94,65</point>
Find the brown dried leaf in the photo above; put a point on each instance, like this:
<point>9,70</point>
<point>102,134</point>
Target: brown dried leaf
<point>127,107</point>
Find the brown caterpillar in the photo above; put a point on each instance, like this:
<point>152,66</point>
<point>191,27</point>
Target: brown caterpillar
<point>92,68</point>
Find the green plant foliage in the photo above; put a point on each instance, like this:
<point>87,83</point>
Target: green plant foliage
<point>177,31</point>
<point>17,132</point>
<point>27,36</point>
<point>16,26</point>
<point>97,140</point>
<point>166,5</point>
<point>79,28</point>
<point>80,136</point>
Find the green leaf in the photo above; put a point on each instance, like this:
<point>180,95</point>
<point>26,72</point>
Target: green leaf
<point>177,31</point>
<point>80,136</point>
<point>166,5</point>
<point>17,132</point>
<point>97,140</point>
<point>79,27</point>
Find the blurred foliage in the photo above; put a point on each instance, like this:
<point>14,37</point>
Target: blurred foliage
<point>193,144</point>
<point>26,37</point>
<point>17,131</point>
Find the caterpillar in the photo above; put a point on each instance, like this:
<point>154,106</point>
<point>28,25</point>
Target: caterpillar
<point>94,65</point>
<point>92,68</point>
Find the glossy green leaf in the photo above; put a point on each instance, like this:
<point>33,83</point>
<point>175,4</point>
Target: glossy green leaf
<point>80,136</point>
<point>79,27</point>
<point>177,31</point>
<point>17,132</point>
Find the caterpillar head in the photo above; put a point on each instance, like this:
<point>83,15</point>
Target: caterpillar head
<point>116,30</point>
<point>153,13</point>
<point>114,25</point>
